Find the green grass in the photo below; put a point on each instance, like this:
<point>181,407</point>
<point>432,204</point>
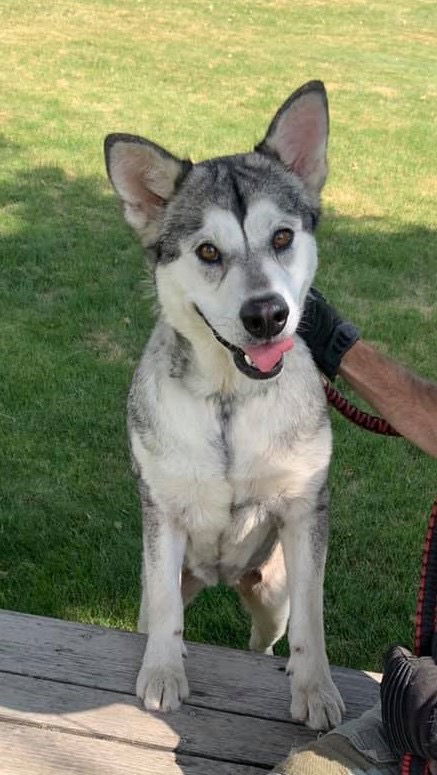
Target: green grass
<point>201,79</point>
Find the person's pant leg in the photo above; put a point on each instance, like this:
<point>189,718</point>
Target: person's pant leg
<point>358,747</point>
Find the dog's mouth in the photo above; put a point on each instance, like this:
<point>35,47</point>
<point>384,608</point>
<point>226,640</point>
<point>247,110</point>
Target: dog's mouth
<point>260,361</point>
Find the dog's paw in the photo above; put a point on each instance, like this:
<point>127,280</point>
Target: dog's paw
<point>256,643</point>
<point>162,686</point>
<point>318,705</point>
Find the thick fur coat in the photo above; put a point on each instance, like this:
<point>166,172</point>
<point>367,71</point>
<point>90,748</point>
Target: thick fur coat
<point>227,418</point>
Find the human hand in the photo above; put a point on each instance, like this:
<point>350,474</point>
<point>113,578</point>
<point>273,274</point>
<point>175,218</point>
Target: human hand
<point>326,334</point>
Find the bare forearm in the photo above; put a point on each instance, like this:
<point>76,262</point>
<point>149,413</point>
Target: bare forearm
<point>406,401</point>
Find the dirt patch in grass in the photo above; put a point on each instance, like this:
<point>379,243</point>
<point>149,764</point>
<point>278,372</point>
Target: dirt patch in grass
<point>351,201</point>
<point>384,91</point>
<point>106,347</point>
<point>428,184</point>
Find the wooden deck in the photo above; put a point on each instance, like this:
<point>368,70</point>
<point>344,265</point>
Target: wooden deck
<point>67,705</point>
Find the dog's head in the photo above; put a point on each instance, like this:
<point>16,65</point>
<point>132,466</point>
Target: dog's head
<point>232,237</point>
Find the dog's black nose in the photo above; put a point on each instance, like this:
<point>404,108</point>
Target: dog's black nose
<point>265,316</point>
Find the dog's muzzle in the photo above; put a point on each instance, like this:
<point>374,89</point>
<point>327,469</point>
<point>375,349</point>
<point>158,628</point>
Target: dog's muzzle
<point>263,354</point>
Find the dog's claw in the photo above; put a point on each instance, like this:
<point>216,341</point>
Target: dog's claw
<point>319,706</point>
<point>162,687</point>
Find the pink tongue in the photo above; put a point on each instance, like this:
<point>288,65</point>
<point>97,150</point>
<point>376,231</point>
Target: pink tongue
<point>266,356</point>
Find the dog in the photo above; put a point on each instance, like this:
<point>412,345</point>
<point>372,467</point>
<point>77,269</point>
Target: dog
<point>228,425</point>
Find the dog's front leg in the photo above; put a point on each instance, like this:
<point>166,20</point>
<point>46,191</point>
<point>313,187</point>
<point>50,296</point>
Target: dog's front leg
<point>161,682</point>
<point>315,698</point>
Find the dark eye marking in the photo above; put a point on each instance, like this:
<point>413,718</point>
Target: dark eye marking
<point>282,239</point>
<point>208,252</point>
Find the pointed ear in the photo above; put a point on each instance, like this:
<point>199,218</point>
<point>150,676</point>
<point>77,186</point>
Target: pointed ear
<point>298,135</point>
<point>145,178</point>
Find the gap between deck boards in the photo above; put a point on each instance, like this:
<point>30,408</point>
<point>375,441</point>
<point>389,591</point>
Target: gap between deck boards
<point>66,680</point>
<point>100,713</point>
<point>220,678</point>
<point>36,751</point>
<point>146,746</point>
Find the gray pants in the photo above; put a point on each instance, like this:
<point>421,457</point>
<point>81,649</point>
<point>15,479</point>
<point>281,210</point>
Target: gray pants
<point>358,747</point>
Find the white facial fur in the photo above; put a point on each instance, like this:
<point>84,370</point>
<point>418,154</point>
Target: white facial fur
<point>250,268</point>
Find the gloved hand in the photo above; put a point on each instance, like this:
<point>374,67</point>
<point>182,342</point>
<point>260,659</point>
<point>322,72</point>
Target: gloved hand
<point>409,703</point>
<point>326,334</point>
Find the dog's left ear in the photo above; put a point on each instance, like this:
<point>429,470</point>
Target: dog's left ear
<point>298,135</point>
<point>145,177</point>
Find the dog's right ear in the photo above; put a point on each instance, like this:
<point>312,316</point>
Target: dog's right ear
<point>145,177</point>
<point>298,135</point>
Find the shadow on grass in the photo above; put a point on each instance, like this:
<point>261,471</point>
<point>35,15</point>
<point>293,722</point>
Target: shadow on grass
<point>75,319</point>
<point>7,143</point>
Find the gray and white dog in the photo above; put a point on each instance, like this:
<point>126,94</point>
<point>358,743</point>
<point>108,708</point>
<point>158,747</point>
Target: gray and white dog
<point>227,417</point>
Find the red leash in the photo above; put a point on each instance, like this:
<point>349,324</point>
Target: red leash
<point>426,611</point>
<point>364,420</point>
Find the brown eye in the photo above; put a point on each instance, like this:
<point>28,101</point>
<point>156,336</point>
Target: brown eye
<point>208,252</point>
<point>282,239</point>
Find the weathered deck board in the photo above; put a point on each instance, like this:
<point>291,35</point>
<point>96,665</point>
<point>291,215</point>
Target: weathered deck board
<point>221,678</point>
<point>102,713</point>
<point>67,706</point>
<point>35,751</point>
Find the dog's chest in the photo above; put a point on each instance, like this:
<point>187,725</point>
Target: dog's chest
<point>218,470</point>
<point>217,456</point>
<point>223,449</point>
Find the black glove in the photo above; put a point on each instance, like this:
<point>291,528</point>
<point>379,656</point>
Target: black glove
<point>409,703</point>
<point>326,334</point>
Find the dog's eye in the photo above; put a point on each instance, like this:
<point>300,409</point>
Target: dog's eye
<point>208,252</point>
<point>282,239</point>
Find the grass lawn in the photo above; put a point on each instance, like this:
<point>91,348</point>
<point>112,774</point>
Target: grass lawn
<point>201,78</point>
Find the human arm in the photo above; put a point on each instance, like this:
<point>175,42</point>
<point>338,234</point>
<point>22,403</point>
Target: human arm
<point>406,401</point>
